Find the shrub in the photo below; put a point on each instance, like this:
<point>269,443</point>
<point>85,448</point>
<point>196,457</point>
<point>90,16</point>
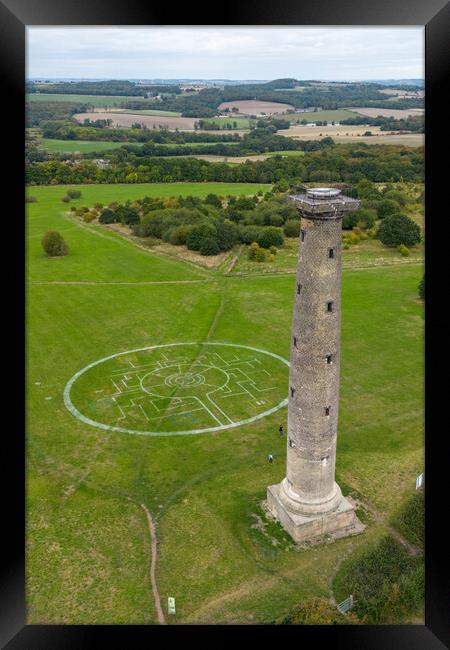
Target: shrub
<point>270,237</point>
<point>292,228</point>
<point>178,236</point>
<point>98,206</point>
<point>127,215</point>
<point>65,199</point>
<point>273,250</point>
<point>261,255</point>
<point>421,288</point>
<point>387,207</point>
<point>209,247</point>
<point>54,244</point>
<point>397,196</point>
<point>89,216</point>
<point>199,234</point>
<point>213,199</point>
<point>249,234</point>
<point>346,246</point>
<point>73,208</point>
<point>252,249</point>
<point>349,220</point>
<point>365,218</point>
<point>410,519</point>
<point>30,199</point>
<point>316,611</point>
<point>385,581</point>
<point>74,194</point>
<point>399,229</point>
<point>141,229</point>
<point>353,238</point>
<point>403,250</point>
<point>107,216</point>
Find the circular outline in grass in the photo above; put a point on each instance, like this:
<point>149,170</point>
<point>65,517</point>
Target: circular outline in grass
<point>75,412</point>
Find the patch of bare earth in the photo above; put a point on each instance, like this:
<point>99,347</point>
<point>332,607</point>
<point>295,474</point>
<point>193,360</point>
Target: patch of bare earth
<point>128,119</point>
<point>254,107</point>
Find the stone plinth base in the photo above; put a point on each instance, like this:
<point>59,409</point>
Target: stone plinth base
<point>339,523</point>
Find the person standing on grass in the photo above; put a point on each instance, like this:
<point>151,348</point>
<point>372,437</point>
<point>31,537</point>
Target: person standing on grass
<point>281,430</point>
<point>270,458</point>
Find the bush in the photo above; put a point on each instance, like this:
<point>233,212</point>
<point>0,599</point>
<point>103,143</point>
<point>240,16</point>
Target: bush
<point>385,581</point>
<point>54,244</point>
<point>365,218</point>
<point>199,234</point>
<point>107,216</point>
<point>410,519</point>
<point>30,199</point>
<point>403,250</point>
<point>213,199</point>
<point>261,255</point>
<point>65,199</point>
<point>273,250</point>
<point>387,207</point>
<point>73,208</point>
<point>421,288</point>
<point>178,236</point>
<point>349,220</point>
<point>249,234</point>
<point>127,215</point>
<point>399,229</point>
<point>252,249</point>
<point>270,237</point>
<point>89,216</point>
<point>209,247</point>
<point>397,196</point>
<point>292,228</point>
<point>74,194</point>
<point>316,611</point>
<point>227,235</point>
<point>98,206</point>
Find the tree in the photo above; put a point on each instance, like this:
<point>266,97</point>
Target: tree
<point>270,237</point>
<point>292,228</point>
<point>387,207</point>
<point>398,229</point>
<point>365,218</point>
<point>199,234</point>
<point>54,244</point>
<point>213,199</point>
<point>227,235</point>
<point>350,220</point>
<point>209,247</point>
<point>127,215</point>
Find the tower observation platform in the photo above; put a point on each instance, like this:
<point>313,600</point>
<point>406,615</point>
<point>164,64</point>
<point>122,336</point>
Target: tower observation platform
<point>308,502</point>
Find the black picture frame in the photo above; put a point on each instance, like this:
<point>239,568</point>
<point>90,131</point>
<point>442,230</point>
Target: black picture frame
<point>435,15</point>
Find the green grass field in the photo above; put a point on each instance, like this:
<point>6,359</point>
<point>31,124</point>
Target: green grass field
<point>94,100</point>
<point>88,146</point>
<point>88,545</point>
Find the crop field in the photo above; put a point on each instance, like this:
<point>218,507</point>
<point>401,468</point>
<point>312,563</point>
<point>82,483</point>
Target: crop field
<point>388,112</point>
<point>256,107</point>
<point>157,386</point>
<point>146,111</point>
<point>94,100</point>
<point>334,115</point>
<point>353,133</point>
<point>128,119</point>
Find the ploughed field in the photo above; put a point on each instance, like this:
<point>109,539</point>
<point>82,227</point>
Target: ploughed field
<point>133,328</point>
<point>256,107</point>
<point>128,119</point>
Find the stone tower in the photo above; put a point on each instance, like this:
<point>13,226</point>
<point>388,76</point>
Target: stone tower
<point>308,502</point>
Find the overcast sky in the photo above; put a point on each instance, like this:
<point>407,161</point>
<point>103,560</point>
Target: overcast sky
<point>336,53</point>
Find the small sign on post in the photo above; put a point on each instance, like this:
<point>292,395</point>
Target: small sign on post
<point>171,605</point>
<point>419,481</point>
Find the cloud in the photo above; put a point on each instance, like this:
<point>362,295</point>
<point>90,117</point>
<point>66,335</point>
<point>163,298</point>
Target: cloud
<point>225,52</point>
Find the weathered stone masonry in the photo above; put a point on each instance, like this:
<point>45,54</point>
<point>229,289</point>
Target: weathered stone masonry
<point>308,502</point>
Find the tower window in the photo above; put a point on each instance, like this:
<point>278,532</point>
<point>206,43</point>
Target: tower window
<point>299,288</point>
<point>330,305</point>
<point>292,391</point>
<point>331,253</point>
<point>327,410</point>
<point>329,358</point>
<point>295,341</point>
<point>302,234</point>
